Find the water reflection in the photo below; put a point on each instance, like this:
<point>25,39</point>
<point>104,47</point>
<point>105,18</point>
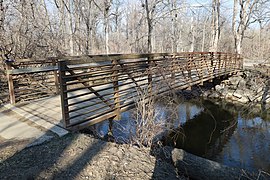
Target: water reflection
<point>172,114</point>
<point>223,132</point>
<point>249,146</point>
<point>206,133</point>
<point>226,134</point>
<point>177,113</point>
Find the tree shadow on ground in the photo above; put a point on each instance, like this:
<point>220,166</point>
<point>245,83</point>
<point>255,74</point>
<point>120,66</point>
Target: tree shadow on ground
<point>61,158</point>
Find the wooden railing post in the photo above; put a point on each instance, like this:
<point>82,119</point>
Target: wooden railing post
<point>56,79</point>
<point>241,60</point>
<point>190,57</point>
<point>201,70</point>
<point>173,68</point>
<point>236,66</point>
<point>219,62</point>
<point>211,66</point>
<point>149,79</point>
<point>116,97</point>
<point>10,83</point>
<point>62,67</point>
<point>229,64</point>
<point>226,62</point>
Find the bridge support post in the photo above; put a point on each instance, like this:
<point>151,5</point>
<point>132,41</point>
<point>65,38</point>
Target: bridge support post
<point>116,89</point>
<point>226,62</point>
<point>211,69</point>
<point>190,57</point>
<point>10,84</point>
<point>56,79</point>
<point>201,69</point>
<point>219,63</point>
<point>173,64</point>
<point>110,130</point>
<point>235,62</point>
<point>62,65</point>
<point>149,79</point>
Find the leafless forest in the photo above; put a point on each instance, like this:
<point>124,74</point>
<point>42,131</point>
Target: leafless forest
<point>41,28</point>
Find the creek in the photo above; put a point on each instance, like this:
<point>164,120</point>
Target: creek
<point>219,131</point>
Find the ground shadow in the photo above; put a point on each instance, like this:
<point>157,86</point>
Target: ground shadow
<point>52,160</point>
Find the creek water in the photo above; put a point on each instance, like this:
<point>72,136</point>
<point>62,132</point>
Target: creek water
<point>222,132</point>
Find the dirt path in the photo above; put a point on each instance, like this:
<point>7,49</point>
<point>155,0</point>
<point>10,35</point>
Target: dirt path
<point>79,156</point>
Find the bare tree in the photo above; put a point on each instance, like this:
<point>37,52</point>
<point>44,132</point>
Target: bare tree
<point>2,18</point>
<point>150,10</point>
<point>35,28</point>
<point>246,8</point>
<point>107,6</point>
<point>2,15</point>
<point>174,25</point>
<point>215,26</point>
<point>262,16</point>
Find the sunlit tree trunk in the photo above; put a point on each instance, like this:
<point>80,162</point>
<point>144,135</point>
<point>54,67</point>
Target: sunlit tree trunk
<point>192,32</point>
<point>215,26</point>
<point>70,25</point>
<point>107,6</point>
<point>246,10</point>
<point>173,25</point>
<point>203,34</point>
<point>150,26</point>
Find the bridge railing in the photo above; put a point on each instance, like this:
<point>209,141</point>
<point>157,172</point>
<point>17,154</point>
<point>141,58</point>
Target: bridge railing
<point>30,79</point>
<point>96,88</point>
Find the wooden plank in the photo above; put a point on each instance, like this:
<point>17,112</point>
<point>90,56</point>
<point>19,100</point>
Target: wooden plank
<point>32,70</point>
<point>97,58</point>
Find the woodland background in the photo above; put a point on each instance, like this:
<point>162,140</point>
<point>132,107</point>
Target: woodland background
<point>42,28</point>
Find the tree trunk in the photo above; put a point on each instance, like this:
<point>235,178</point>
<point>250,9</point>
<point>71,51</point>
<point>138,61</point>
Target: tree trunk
<point>238,43</point>
<point>106,29</point>
<point>150,27</point>
<point>203,38</point>
<point>2,15</point>
<point>70,32</point>
<point>246,9</point>
<point>107,6</point>
<point>173,24</point>
<point>215,26</point>
<point>192,31</point>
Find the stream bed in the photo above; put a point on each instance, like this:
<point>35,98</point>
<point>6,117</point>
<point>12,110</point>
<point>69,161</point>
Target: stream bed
<point>228,134</point>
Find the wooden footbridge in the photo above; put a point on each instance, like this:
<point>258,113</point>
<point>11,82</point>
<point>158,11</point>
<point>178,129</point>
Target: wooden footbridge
<point>95,88</point>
